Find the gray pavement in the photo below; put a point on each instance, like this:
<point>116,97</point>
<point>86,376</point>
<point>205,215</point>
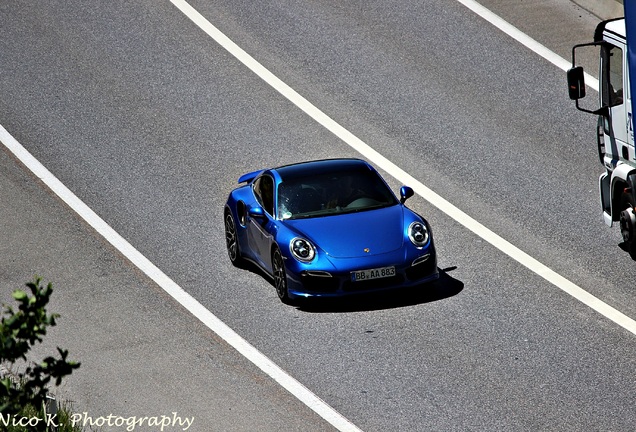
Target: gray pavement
<point>604,9</point>
<point>141,353</point>
<point>556,24</point>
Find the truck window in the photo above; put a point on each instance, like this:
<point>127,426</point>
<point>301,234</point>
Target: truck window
<point>612,72</point>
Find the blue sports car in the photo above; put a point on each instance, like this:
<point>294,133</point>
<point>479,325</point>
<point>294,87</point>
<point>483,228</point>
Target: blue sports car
<point>328,228</point>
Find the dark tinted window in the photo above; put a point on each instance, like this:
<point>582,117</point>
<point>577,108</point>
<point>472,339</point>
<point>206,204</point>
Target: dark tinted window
<point>332,193</point>
<point>612,57</point>
<point>264,191</point>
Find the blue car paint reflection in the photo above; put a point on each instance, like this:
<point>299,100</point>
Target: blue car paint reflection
<point>328,228</point>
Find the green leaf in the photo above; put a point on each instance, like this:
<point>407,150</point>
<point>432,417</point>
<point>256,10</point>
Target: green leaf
<point>19,295</point>
<point>18,332</point>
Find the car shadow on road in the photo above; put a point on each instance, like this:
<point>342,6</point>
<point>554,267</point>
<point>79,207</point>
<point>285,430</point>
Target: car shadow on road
<point>444,287</point>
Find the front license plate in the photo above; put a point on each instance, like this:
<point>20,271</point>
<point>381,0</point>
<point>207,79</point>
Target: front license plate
<point>378,273</point>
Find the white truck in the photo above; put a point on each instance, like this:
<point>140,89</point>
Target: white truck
<point>615,133</point>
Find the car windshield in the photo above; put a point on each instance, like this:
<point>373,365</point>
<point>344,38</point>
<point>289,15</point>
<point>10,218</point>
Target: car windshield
<point>332,193</point>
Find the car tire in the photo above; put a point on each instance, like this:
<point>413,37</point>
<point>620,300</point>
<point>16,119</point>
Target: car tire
<point>231,239</point>
<point>280,275</point>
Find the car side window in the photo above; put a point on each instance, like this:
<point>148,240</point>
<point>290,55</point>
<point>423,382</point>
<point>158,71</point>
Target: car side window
<point>264,191</point>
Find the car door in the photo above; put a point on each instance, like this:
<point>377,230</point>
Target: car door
<point>260,224</point>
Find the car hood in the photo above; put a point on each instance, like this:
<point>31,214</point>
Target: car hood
<point>364,233</point>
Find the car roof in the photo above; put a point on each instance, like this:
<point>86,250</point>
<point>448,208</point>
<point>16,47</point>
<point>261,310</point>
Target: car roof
<point>318,167</point>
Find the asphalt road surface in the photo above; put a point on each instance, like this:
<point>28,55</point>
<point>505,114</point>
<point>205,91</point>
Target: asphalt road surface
<point>150,122</point>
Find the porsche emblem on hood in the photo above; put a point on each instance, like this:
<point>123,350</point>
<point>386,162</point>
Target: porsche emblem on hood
<point>367,250</point>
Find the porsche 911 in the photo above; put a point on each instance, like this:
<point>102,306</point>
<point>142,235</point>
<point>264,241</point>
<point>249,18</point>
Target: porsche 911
<point>328,228</point>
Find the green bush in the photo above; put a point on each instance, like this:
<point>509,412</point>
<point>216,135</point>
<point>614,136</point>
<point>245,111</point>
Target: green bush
<point>22,395</point>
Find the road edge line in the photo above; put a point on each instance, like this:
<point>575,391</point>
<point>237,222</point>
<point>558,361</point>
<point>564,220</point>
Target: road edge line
<point>295,387</point>
<point>525,40</point>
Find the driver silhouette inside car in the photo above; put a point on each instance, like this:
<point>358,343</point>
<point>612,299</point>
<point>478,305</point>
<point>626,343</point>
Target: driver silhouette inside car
<point>345,193</point>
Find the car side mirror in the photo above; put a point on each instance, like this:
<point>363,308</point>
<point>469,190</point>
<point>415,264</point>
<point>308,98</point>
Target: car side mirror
<point>405,193</point>
<point>576,83</point>
<point>257,212</point>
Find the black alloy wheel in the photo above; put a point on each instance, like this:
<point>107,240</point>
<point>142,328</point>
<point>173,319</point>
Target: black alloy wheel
<point>230,239</point>
<point>280,276</point>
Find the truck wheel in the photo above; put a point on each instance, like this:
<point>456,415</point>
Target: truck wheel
<point>628,221</point>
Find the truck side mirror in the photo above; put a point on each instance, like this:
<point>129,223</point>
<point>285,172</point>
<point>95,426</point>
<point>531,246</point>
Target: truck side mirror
<point>576,83</point>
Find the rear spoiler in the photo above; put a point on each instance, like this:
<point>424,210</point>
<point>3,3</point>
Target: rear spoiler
<point>246,178</point>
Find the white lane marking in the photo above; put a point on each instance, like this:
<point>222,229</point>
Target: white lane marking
<point>525,40</point>
<point>216,325</point>
<point>400,175</point>
<point>190,303</point>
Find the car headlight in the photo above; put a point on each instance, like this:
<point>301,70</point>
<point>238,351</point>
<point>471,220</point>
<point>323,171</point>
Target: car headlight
<point>418,234</point>
<point>302,249</point>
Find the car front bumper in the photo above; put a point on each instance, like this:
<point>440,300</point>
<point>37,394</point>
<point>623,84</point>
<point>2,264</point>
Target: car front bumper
<point>335,281</point>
